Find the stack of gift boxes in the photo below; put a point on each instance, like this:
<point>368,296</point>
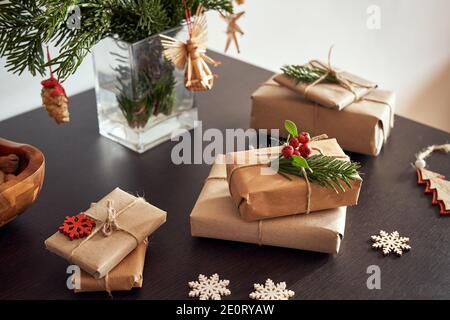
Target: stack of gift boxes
<point>111,255</point>
<point>244,200</point>
<point>241,202</point>
<point>351,109</point>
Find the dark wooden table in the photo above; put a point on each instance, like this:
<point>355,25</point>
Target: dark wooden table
<point>82,166</point>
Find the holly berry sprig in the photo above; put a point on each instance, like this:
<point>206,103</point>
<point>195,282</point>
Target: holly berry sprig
<point>298,143</point>
<point>326,170</point>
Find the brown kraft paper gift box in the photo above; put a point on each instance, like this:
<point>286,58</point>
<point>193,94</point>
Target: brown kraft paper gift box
<point>215,216</point>
<point>125,276</point>
<point>361,127</point>
<point>261,196</point>
<point>98,254</point>
<point>330,95</point>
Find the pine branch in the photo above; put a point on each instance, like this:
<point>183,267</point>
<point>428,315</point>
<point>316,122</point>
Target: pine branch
<point>27,25</point>
<point>20,41</point>
<point>306,74</point>
<point>327,171</point>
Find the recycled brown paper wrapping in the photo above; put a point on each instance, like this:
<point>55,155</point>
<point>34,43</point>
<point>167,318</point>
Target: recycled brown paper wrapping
<point>329,95</point>
<point>125,276</point>
<point>215,216</point>
<point>262,196</point>
<point>98,254</point>
<point>361,127</point>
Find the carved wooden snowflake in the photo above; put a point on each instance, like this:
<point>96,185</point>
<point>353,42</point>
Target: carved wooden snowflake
<point>209,288</point>
<point>271,291</point>
<point>390,243</point>
<point>78,226</point>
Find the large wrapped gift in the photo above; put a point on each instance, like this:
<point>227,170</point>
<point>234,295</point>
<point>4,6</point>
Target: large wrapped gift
<point>361,127</point>
<point>123,221</point>
<point>125,276</point>
<point>260,192</point>
<point>215,216</point>
<point>335,95</point>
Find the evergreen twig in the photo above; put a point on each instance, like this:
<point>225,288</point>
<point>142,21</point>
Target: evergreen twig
<point>327,171</point>
<point>27,25</point>
<point>307,74</point>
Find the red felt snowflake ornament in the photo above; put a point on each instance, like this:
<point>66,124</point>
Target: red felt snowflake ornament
<point>77,227</point>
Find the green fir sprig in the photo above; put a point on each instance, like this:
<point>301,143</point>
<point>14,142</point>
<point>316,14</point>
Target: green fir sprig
<point>307,74</point>
<point>327,171</point>
<point>27,25</point>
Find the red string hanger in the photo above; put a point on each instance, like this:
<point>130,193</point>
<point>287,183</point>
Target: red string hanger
<point>187,13</point>
<point>54,97</point>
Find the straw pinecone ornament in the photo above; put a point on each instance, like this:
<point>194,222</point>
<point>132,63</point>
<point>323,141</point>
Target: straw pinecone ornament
<point>190,55</point>
<point>54,98</point>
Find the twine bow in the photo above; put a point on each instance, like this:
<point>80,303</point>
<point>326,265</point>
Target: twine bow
<point>329,71</point>
<point>110,224</point>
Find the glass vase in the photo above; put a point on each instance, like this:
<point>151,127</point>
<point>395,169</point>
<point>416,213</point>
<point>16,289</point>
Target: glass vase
<point>141,97</point>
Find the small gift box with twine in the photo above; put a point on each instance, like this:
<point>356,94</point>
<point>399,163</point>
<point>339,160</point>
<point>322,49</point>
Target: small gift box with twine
<point>259,192</point>
<point>215,216</point>
<point>122,222</point>
<point>323,84</point>
<point>128,274</point>
<point>321,99</point>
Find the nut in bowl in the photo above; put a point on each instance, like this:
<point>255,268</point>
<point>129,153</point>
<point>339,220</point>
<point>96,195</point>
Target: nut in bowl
<point>22,170</point>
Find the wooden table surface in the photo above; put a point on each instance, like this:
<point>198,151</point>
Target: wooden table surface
<point>82,166</point>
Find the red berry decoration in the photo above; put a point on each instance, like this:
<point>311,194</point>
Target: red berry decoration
<point>305,150</point>
<point>297,153</point>
<point>304,137</point>
<point>294,143</point>
<point>287,152</point>
<point>78,226</point>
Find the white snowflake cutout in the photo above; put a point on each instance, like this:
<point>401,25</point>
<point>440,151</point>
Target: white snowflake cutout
<point>209,288</point>
<point>390,243</point>
<point>271,291</point>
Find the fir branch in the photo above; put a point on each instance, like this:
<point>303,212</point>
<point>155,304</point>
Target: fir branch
<point>27,25</point>
<point>20,41</point>
<point>307,74</point>
<point>327,171</point>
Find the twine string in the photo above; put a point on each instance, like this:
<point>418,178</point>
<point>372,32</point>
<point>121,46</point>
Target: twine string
<point>111,223</point>
<point>425,153</point>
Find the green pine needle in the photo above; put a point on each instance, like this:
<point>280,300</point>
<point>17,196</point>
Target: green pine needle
<point>27,25</point>
<point>328,171</point>
<point>306,74</point>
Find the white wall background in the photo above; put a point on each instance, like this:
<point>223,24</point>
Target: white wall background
<point>409,54</point>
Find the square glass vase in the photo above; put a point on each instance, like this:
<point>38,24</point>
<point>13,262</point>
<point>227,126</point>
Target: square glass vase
<point>141,96</point>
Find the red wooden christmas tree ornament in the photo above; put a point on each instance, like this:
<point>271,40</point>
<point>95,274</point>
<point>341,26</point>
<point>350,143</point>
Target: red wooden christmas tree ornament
<point>77,227</point>
<point>436,185</point>
<point>434,182</point>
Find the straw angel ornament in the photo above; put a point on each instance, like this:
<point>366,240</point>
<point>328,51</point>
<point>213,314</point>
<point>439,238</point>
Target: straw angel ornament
<point>190,55</point>
<point>232,29</point>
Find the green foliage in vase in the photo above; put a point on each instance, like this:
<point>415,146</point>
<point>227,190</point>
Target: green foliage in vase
<point>27,25</point>
<point>159,99</point>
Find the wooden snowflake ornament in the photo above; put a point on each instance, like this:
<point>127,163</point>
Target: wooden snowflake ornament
<point>77,227</point>
<point>390,243</point>
<point>209,288</point>
<point>271,291</point>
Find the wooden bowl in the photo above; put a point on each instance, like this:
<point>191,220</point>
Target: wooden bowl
<point>17,194</point>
